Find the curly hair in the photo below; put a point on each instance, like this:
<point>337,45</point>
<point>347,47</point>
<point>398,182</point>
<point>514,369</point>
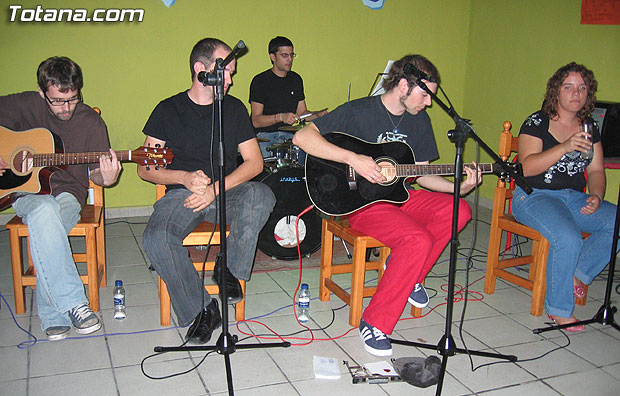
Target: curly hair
<point>397,73</point>
<point>550,102</point>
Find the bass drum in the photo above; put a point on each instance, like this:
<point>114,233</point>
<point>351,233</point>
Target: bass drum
<point>278,238</point>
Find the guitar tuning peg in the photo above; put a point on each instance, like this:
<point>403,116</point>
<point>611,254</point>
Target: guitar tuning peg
<point>158,145</point>
<point>156,167</point>
<point>148,168</point>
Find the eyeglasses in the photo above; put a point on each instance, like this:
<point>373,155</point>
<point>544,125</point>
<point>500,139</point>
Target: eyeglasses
<point>62,102</point>
<point>287,55</point>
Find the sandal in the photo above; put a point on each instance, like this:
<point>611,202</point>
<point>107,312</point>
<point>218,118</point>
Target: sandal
<point>579,290</point>
<point>572,319</point>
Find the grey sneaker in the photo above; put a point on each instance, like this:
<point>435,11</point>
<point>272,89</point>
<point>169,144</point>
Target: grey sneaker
<point>84,319</point>
<point>55,333</point>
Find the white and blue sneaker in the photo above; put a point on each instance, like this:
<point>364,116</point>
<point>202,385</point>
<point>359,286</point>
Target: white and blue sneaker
<point>375,341</point>
<point>418,297</point>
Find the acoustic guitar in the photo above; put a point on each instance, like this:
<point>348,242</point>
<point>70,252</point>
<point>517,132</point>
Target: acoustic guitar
<point>336,189</point>
<point>35,154</point>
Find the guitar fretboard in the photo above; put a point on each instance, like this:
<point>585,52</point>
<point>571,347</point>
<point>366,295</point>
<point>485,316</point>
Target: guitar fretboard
<point>408,170</point>
<point>41,160</point>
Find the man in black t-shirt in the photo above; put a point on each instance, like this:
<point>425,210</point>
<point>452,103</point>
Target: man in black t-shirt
<point>277,95</point>
<point>183,122</point>
<point>58,107</point>
<point>418,230</point>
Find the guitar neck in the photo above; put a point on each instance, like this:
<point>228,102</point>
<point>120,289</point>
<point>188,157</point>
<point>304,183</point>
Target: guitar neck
<point>410,170</point>
<point>55,159</point>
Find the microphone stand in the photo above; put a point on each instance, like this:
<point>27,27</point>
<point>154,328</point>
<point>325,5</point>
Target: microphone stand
<point>226,343</point>
<point>446,346</point>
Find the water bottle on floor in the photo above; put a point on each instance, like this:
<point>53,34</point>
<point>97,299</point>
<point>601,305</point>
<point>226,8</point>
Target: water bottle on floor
<point>303,304</point>
<point>119,300</point>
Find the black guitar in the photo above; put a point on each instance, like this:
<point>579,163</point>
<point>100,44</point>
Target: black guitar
<point>335,189</point>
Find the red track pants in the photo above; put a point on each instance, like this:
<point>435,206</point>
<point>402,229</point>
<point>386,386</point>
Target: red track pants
<point>417,231</point>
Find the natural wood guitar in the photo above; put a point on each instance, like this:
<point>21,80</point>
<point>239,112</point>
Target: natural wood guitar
<point>35,154</point>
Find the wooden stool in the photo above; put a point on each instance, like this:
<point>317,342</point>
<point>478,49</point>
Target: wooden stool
<point>90,227</point>
<point>357,267</point>
<point>502,221</point>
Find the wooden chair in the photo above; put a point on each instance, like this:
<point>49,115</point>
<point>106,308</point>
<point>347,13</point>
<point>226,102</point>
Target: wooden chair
<point>90,226</point>
<point>503,221</point>
<point>357,267</point>
<point>200,236</point>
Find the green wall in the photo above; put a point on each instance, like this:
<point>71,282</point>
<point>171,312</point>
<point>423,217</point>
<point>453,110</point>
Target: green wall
<point>130,67</point>
<point>489,53</point>
<point>515,47</point>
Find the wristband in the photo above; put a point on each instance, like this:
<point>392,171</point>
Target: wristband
<point>599,196</point>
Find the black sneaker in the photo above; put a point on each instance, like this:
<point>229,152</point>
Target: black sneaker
<point>55,333</point>
<point>375,341</point>
<point>84,319</point>
<point>418,297</point>
<point>201,330</point>
<point>234,292</point>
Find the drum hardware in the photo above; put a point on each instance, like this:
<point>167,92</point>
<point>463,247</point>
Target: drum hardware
<point>286,154</point>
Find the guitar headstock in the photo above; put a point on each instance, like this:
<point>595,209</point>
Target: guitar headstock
<point>501,172</point>
<point>157,156</point>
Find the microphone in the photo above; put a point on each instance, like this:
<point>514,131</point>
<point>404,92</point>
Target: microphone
<point>209,78</point>
<point>203,77</point>
<point>234,54</point>
<point>419,74</point>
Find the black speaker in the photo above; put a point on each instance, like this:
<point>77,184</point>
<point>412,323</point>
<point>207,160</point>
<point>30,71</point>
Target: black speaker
<point>607,115</point>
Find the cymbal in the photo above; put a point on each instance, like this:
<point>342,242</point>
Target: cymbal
<point>290,128</point>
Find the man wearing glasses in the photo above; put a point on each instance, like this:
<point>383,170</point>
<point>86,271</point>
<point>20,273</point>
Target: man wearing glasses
<point>277,96</point>
<point>58,107</point>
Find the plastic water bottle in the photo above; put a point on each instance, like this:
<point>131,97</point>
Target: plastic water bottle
<point>119,300</point>
<point>303,304</point>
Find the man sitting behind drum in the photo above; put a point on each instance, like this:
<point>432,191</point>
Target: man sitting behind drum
<point>277,96</point>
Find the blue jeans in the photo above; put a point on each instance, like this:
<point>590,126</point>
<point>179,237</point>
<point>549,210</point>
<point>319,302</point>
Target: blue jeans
<point>555,214</point>
<point>278,137</point>
<point>59,287</point>
<point>248,206</point>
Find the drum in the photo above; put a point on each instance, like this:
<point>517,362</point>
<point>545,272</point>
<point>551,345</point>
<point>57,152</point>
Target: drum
<point>286,154</point>
<point>277,238</point>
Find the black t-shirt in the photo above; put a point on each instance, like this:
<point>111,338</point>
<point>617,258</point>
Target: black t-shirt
<point>84,132</point>
<point>368,119</point>
<point>276,94</point>
<point>186,127</point>
<point>568,172</point>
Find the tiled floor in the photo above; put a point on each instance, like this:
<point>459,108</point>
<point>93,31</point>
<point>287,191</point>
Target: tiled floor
<point>109,362</point>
